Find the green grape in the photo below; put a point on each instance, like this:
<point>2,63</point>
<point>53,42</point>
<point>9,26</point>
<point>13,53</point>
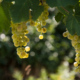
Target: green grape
<point>75,64</point>
<point>39,29</point>
<point>77,50</point>
<point>26,39</point>
<point>43,19</point>
<point>40,18</point>
<point>76,70</point>
<point>39,26</point>
<point>18,53</point>
<point>77,59</point>
<point>19,28</point>
<point>19,38</point>
<point>43,23</point>
<point>44,30</point>
<point>22,55</point>
<point>76,37</point>
<point>65,34</point>
<point>26,32</point>
<point>77,46</point>
<point>74,43</point>
<point>40,36</point>
<point>70,37</point>
<point>32,23</point>
<point>77,54</point>
<point>27,48</point>
<point>46,13</point>
<point>78,40</point>
<point>24,25</point>
<point>36,23</point>
<point>16,44</point>
<point>19,49</point>
<point>26,56</point>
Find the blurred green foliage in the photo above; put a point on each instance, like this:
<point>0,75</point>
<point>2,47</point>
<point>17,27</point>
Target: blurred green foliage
<point>63,73</point>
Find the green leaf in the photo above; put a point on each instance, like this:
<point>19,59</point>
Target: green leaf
<point>66,10</point>
<point>58,17</point>
<point>58,3</point>
<point>73,24</point>
<point>77,9</point>
<point>63,10</point>
<point>4,16</point>
<point>20,10</point>
<point>64,19</point>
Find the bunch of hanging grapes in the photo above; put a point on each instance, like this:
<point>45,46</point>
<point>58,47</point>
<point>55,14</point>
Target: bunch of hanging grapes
<point>20,31</point>
<point>20,39</point>
<point>75,40</point>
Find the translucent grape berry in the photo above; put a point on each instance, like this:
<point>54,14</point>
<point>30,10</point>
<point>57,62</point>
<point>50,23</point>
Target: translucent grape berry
<point>75,64</point>
<point>27,48</point>
<point>40,36</point>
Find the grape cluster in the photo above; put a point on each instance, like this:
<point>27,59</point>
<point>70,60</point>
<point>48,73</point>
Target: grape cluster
<point>19,31</point>
<point>41,21</point>
<point>20,39</point>
<point>75,41</point>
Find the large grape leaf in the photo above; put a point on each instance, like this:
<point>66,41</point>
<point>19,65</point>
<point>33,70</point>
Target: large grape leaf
<point>20,10</point>
<point>63,10</point>
<point>73,24</point>
<point>4,16</point>
<point>58,3</point>
<point>66,10</point>
<point>58,17</point>
<point>77,9</point>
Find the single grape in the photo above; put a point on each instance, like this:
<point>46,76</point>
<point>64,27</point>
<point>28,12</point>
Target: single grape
<point>77,59</point>
<point>22,55</point>
<point>77,50</point>
<point>26,56</point>
<point>77,54</point>
<point>65,34</point>
<point>43,23</point>
<point>32,23</point>
<point>75,64</point>
<point>27,48</point>
<point>70,37</point>
<point>40,36</point>
<point>39,29</point>
<point>76,37</point>
<point>44,30</point>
